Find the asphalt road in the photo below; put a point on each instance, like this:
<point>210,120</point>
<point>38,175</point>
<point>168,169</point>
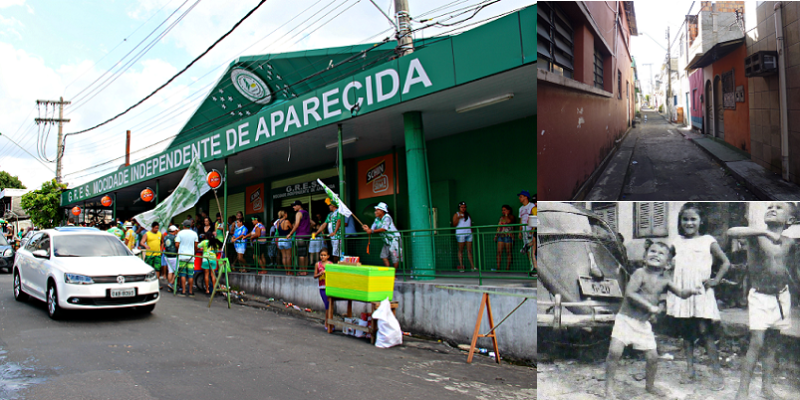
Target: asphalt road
<point>185,350</point>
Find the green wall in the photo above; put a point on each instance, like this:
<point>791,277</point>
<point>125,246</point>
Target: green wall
<point>486,168</point>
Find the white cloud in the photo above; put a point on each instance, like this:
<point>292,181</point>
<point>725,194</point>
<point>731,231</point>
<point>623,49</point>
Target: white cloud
<point>9,3</point>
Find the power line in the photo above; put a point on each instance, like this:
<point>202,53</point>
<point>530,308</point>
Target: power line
<point>260,3</point>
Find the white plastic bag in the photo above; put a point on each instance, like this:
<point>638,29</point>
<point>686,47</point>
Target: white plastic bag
<point>389,332</point>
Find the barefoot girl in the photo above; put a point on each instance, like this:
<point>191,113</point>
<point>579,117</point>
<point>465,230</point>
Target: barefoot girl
<point>696,252</point>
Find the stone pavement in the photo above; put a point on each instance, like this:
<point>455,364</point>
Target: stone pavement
<point>656,162</point>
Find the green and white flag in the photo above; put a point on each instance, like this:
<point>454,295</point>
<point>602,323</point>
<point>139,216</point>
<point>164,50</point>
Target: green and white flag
<point>189,191</point>
<point>336,201</point>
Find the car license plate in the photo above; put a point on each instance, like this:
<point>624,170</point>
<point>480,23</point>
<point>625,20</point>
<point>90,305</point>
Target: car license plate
<point>123,293</point>
<point>604,288</point>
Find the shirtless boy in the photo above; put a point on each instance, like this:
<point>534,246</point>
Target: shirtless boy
<point>769,258</point>
<point>632,325</point>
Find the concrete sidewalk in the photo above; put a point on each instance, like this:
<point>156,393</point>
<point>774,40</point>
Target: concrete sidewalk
<point>764,184</point>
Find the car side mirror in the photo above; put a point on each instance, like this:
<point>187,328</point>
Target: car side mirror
<point>40,254</point>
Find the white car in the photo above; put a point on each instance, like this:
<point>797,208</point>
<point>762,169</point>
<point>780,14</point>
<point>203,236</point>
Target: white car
<point>83,268</point>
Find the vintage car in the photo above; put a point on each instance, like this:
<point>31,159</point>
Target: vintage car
<point>582,267</point>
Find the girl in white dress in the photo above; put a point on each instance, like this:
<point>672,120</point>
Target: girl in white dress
<point>695,254</point>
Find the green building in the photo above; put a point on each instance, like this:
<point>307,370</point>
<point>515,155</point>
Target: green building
<point>453,121</point>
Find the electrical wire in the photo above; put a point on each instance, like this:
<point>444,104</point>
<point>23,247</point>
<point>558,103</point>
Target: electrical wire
<point>77,95</point>
<point>475,8</point>
<point>125,39</point>
<point>78,103</point>
<point>260,3</point>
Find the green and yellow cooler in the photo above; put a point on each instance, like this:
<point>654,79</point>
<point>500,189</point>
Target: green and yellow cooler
<point>362,283</point>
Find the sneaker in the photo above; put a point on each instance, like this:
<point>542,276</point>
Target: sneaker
<point>191,294</point>
<point>180,294</point>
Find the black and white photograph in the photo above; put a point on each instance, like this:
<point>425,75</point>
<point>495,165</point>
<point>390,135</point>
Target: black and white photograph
<point>668,300</point>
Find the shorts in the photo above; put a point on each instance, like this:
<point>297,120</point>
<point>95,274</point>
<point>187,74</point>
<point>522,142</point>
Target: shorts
<point>505,239</point>
<point>315,246</point>
<point>163,260</point>
<point>464,238</point>
<point>764,310</point>
<point>527,236</point>
<point>302,247</point>
<point>153,261</point>
<point>240,247</point>
<point>172,263</point>
<point>336,244</point>
<point>284,244</point>
<point>209,264</point>
<point>186,269</point>
<point>631,331</point>
<point>393,252</point>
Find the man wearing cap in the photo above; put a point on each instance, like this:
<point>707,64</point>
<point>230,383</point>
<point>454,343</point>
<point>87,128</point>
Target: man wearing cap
<point>186,240</point>
<point>130,236</point>
<point>170,249</point>
<point>302,226</point>
<point>525,212</point>
<point>384,225</point>
<point>335,228</point>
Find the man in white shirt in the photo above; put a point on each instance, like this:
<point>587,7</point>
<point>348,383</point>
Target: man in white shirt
<point>187,245</point>
<point>524,213</point>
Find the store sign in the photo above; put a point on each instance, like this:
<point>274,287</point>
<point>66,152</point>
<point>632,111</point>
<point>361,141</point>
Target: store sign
<point>382,86</point>
<point>214,179</point>
<point>255,199</point>
<point>76,211</point>
<point>147,195</point>
<point>106,201</point>
<point>376,177</point>
<point>304,189</point>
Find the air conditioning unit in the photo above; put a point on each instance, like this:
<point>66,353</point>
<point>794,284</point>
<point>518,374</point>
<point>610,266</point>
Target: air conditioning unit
<point>762,63</point>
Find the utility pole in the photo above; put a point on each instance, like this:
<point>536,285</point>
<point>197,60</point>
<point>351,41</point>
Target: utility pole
<point>127,148</point>
<point>60,121</point>
<point>669,78</point>
<point>405,42</point>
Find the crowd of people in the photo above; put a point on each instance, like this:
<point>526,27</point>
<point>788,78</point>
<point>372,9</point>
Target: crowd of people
<point>683,271</point>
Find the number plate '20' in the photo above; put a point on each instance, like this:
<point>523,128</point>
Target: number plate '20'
<point>595,288</point>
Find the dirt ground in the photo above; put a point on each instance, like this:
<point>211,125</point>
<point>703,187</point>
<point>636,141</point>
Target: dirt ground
<point>583,375</point>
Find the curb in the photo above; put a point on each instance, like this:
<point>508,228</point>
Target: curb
<point>754,189</point>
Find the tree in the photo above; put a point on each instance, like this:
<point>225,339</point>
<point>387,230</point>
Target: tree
<point>8,181</point>
<point>42,205</point>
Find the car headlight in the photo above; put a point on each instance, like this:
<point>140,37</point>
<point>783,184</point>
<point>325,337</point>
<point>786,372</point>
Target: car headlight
<point>78,279</point>
<point>8,253</point>
<point>151,276</point>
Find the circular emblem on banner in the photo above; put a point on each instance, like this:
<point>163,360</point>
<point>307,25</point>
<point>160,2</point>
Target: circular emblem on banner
<point>251,86</point>
<point>76,211</point>
<point>147,195</point>
<point>106,201</point>
<point>214,179</point>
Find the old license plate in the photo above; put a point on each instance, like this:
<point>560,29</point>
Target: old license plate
<point>604,288</point>
<point>123,293</point>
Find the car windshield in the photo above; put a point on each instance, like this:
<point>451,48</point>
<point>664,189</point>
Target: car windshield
<point>3,241</point>
<point>88,246</point>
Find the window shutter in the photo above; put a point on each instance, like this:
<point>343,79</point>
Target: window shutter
<point>609,215</point>
<point>651,220</point>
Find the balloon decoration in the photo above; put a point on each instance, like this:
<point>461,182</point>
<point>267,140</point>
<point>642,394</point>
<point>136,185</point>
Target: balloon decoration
<point>106,201</point>
<point>76,211</point>
<point>147,195</point>
<point>214,179</point>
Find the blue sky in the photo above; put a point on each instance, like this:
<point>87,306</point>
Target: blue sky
<point>52,48</point>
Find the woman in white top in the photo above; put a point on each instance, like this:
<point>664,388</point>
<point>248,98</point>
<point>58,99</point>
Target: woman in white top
<point>462,220</point>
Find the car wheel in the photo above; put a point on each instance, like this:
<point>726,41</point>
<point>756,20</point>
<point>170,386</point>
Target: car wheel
<point>146,309</point>
<point>53,309</point>
<point>19,295</point>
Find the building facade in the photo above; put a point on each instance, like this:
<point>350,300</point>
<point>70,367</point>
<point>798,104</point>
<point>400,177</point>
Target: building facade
<point>585,73</point>
<point>775,119</point>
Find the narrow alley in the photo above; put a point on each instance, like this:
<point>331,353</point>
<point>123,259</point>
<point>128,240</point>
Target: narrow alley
<point>657,162</point>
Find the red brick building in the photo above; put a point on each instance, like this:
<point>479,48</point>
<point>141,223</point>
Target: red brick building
<point>586,86</point>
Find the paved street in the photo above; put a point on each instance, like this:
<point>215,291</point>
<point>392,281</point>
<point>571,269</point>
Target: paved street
<point>186,351</point>
<point>663,165</point>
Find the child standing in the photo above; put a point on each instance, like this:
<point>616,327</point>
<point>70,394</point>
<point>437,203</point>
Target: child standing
<point>319,273</point>
<point>695,254</point>
<point>632,325</point>
<point>770,254</point>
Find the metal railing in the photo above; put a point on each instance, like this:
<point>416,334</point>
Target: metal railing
<point>437,254</point>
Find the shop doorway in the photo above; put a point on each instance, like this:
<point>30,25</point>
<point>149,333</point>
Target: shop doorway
<point>314,204</point>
